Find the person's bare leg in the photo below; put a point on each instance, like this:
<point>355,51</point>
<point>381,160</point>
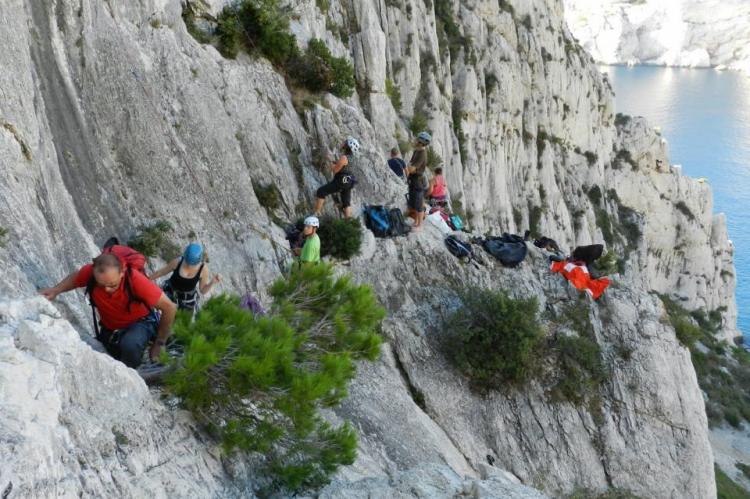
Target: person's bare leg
<point>348,212</point>
<point>319,205</point>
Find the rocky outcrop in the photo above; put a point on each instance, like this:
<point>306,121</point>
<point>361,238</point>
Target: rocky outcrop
<point>75,422</point>
<point>117,116</point>
<point>688,33</point>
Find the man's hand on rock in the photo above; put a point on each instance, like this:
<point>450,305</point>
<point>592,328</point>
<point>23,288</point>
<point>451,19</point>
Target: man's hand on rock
<point>49,293</point>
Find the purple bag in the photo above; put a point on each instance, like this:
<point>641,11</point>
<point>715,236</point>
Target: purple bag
<point>251,303</point>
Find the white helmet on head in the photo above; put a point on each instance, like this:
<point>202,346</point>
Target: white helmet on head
<point>312,221</point>
<point>352,144</point>
<point>425,138</point>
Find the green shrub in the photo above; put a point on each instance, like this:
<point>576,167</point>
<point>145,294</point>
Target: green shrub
<point>153,240</point>
<point>262,26</point>
<point>3,237</point>
<point>449,31</point>
<point>493,339</point>
<point>268,195</point>
<point>686,330</point>
<point>726,488</point>
<point>258,383</point>
<point>433,159</point>
<point>744,468</point>
<point>340,237</point>
<point>605,225</point>
<point>580,370</point>
<point>188,16</point>
<point>418,123</point>
<point>229,31</point>
<point>608,264</point>
<point>393,93</point>
<point>319,71</point>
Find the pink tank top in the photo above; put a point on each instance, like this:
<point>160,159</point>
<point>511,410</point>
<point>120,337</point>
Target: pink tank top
<point>439,189</point>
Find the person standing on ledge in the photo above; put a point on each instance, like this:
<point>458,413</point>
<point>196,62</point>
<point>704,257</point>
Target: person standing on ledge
<point>125,299</point>
<point>416,179</point>
<point>343,180</point>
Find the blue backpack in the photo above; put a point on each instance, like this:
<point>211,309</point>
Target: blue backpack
<point>456,222</point>
<point>377,220</point>
<point>458,248</point>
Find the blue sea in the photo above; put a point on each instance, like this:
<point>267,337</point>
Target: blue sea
<point>705,116</point>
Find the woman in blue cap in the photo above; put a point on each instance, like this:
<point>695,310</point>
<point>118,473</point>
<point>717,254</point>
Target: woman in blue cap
<point>188,271</point>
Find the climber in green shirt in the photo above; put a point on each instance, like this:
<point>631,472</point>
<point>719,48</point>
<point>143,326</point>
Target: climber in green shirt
<point>311,249</point>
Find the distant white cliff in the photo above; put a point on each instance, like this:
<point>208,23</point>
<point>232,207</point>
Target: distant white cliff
<point>693,33</point>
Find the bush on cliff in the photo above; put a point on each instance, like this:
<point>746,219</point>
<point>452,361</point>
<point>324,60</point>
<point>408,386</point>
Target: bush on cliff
<point>262,26</point>
<point>340,237</point>
<point>258,383</point>
<point>493,338</point>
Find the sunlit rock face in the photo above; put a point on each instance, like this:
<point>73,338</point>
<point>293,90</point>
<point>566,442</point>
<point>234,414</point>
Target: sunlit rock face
<point>113,115</point>
<point>693,33</point>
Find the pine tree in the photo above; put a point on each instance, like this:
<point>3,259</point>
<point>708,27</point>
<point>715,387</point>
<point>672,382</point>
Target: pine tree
<point>259,382</point>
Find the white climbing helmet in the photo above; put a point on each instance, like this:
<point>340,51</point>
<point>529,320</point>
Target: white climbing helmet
<point>425,138</point>
<point>352,144</point>
<point>312,221</point>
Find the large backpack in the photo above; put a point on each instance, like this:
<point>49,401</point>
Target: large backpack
<point>587,254</point>
<point>132,258</point>
<point>377,220</point>
<point>134,261</point>
<point>458,248</point>
<point>510,249</point>
<point>398,226</point>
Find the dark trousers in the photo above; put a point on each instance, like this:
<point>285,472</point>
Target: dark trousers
<point>127,345</point>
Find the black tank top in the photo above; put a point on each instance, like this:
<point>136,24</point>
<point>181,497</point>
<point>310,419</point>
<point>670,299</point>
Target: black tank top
<point>183,284</point>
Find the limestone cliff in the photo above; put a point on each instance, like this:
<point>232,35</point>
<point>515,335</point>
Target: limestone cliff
<point>114,115</point>
<point>692,33</point>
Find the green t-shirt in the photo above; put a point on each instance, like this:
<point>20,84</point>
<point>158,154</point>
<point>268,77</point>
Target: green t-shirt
<point>311,250</point>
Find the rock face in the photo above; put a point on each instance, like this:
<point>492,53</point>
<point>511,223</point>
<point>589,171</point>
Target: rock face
<point>693,33</point>
<point>113,115</point>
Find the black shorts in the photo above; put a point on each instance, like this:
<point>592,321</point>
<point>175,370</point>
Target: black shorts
<point>333,187</point>
<point>415,199</point>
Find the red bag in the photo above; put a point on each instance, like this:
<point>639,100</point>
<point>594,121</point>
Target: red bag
<point>129,256</point>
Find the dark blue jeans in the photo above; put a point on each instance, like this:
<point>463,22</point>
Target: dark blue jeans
<point>127,345</point>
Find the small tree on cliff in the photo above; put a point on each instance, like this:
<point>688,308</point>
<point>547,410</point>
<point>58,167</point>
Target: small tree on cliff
<point>258,382</point>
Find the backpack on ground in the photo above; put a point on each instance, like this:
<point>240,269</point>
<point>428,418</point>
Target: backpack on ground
<point>509,249</point>
<point>458,248</point>
<point>377,220</point>
<point>456,223</point>
<point>398,225</point>
<point>587,254</point>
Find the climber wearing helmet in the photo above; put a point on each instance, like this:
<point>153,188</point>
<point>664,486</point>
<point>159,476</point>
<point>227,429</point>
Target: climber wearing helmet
<point>416,179</point>
<point>188,271</point>
<point>310,252</point>
<point>343,180</point>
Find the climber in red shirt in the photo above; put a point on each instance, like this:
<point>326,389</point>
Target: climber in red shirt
<point>125,299</point>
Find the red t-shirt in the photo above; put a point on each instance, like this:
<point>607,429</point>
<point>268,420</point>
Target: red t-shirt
<point>113,308</point>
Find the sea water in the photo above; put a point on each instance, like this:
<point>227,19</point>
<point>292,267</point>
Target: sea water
<point>705,116</point>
